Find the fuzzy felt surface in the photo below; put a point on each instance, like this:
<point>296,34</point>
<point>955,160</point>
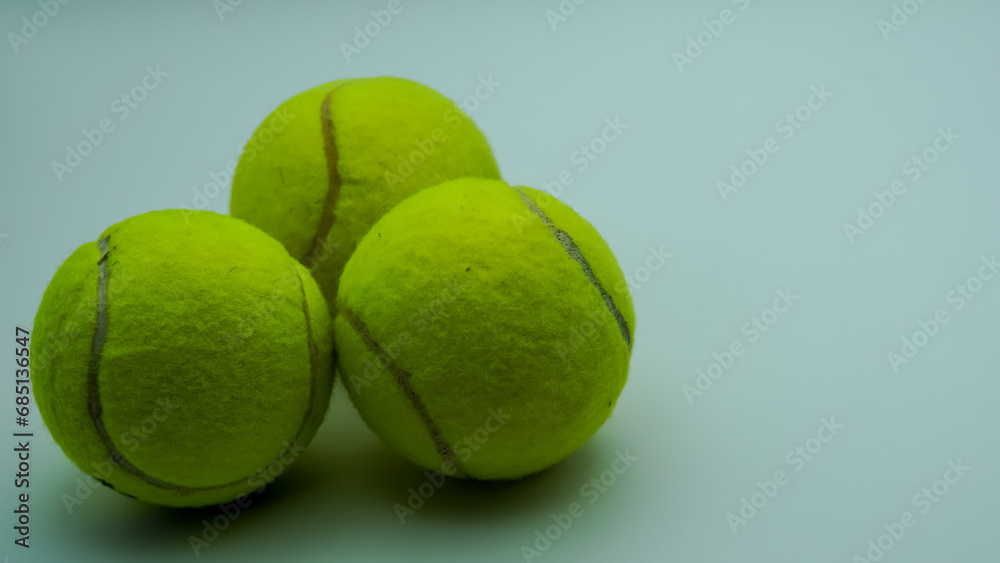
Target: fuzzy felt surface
<point>478,309</point>
<point>216,358</point>
<point>330,161</point>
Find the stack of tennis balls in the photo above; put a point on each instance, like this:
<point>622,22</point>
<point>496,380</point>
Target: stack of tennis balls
<point>482,330</point>
<point>215,340</point>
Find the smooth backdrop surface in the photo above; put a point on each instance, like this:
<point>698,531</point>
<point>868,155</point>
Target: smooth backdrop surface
<point>866,96</point>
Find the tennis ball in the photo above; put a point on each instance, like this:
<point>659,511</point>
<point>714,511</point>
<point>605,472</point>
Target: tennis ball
<point>325,165</point>
<point>483,331</point>
<point>182,362</point>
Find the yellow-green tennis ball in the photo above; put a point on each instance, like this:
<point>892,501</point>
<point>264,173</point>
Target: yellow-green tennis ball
<point>325,165</point>
<point>182,358</point>
<point>484,330</point>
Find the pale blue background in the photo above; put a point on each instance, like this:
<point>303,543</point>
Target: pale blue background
<point>654,186</point>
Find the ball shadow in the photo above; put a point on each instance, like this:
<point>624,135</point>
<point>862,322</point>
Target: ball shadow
<point>390,480</point>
